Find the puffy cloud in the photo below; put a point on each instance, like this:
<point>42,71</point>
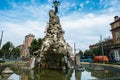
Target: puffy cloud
<point>87,2</point>
<point>86,30</point>
<point>16,32</point>
<point>50,0</point>
<point>81,5</point>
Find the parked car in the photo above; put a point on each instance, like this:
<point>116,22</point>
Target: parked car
<point>86,59</point>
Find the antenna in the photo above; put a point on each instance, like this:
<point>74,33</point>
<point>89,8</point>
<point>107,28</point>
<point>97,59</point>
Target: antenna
<point>1,39</point>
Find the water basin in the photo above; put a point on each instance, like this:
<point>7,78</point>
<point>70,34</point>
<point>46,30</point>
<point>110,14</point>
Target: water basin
<point>88,74</point>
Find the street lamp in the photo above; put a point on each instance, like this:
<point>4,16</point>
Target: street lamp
<point>102,48</point>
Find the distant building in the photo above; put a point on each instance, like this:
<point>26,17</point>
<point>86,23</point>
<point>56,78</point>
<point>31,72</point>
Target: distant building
<point>94,46</point>
<point>115,29</point>
<point>20,47</point>
<point>107,46</point>
<point>24,52</point>
<point>106,43</point>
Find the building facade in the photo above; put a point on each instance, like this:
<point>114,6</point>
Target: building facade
<point>25,47</point>
<point>115,29</point>
<point>107,46</point>
<point>106,43</point>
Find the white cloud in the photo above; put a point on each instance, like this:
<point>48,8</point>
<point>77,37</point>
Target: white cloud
<point>64,7</point>
<point>81,5</point>
<point>15,32</point>
<point>86,30</point>
<point>112,4</point>
<point>50,0</point>
<point>20,21</point>
<point>87,21</point>
<point>73,5</point>
<point>87,2</point>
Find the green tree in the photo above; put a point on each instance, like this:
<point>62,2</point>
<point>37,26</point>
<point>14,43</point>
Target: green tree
<point>15,52</point>
<point>96,51</point>
<point>1,53</point>
<point>86,53</point>
<point>35,45</point>
<point>80,53</point>
<point>7,49</point>
<point>39,42</point>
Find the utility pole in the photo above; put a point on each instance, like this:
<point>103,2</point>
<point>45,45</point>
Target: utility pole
<point>74,53</point>
<point>1,39</point>
<point>74,48</point>
<point>102,48</point>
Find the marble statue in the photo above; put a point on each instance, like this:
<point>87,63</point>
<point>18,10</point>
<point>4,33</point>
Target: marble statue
<point>54,35</point>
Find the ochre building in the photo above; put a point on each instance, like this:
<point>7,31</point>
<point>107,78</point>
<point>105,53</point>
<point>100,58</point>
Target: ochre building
<point>115,29</point>
<point>25,47</point>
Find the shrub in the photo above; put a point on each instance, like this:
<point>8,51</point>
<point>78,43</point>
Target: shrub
<point>2,61</point>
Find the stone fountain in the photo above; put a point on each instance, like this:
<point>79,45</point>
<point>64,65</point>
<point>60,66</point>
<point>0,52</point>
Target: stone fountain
<point>55,52</point>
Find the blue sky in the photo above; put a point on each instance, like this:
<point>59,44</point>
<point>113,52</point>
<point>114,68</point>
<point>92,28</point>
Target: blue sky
<point>82,20</point>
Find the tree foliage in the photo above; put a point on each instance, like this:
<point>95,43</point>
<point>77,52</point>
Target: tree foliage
<point>87,53</point>
<point>8,50</point>
<point>80,53</point>
<point>35,45</point>
<point>1,53</point>
<point>15,52</point>
<point>96,51</point>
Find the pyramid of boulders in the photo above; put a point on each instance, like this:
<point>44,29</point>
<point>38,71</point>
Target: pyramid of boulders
<point>54,35</point>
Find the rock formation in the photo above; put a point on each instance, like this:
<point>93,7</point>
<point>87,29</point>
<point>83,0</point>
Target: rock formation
<point>54,42</point>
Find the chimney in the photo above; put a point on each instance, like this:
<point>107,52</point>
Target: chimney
<point>116,18</point>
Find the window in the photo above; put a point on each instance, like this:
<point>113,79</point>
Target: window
<point>117,37</point>
<point>116,25</point>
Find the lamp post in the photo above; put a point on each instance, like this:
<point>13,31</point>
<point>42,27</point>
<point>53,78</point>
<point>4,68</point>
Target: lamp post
<point>77,56</point>
<point>74,48</point>
<point>102,48</point>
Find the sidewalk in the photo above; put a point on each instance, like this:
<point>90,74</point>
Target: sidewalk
<point>109,65</point>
